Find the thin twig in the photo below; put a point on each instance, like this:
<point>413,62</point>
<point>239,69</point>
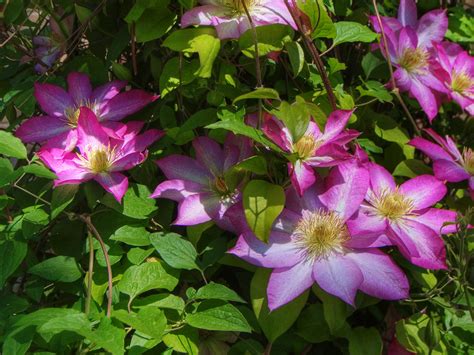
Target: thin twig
<point>87,307</point>
<point>315,55</point>
<point>87,220</point>
<point>134,50</point>
<point>395,89</point>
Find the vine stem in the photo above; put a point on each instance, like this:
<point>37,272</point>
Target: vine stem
<point>315,55</point>
<point>395,89</point>
<point>87,220</point>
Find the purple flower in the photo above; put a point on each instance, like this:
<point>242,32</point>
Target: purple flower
<point>102,153</point>
<point>314,148</point>
<point>410,47</point>
<point>230,19</point>
<point>62,108</point>
<point>205,187</point>
<point>311,242</point>
<point>455,69</point>
<point>403,215</point>
<point>448,162</point>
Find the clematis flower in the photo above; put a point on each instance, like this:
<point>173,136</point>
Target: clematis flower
<point>62,108</point>
<point>230,18</point>
<point>311,242</point>
<point>431,27</point>
<point>448,162</point>
<point>101,156</point>
<point>205,187</point>
<point>410,47</point>
<point>405,216</point>
<point>455,69</point>
<point>314,148</point>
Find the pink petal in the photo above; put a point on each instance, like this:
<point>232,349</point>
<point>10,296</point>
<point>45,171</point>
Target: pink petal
<point>114,183</point>
<point>79,87</point>
<point>128,161</point>
<point>286,221</point>
<point>346,187</point>
<point>277,132</point>
<point>184,168</point>
<point>125,104</point>
<point>302,176</point>
<point>407,14</point>
<point>196,209</point>
<point>209,153</point>
<point>142,141</point>
<point>176,189</point>
<point>339,276</point>
<point>382,278</point>
<point>419,244</point>
<point>380,179</point>
<point>432,27</point>
<point>72,177</point>
<point>89,131</point>
<point>53,99</point>
<point>41,128</point>
<point>279,252</point>
<point>450,171</point>
<point>364,224</point>
<point>285,284</point>
<point>336,123</point>
<point>434,218</point>
<point>107,91</point>
<point>425,98</point>
<point>201,15</point>
<point>432,150</point>
<point>228,29</point>
<point>424,190</point>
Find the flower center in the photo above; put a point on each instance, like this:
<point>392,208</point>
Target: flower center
<point>414,60</point>
<point>306,146</point>
<point>468,157</point>
<point>393,205</point>
<point>461,82</point>
<point>220,185</point>
<point>321,233</point>
<point>72,113</point>
<point>237,8</point>
<point>99,160</point>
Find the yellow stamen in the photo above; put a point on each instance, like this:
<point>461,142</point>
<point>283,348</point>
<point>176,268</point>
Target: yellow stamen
<point>321,233</point>
<point>393,205</point>
<point>220,185</point>
<point>461,82</point>
<point>306,146</point>
<point>414,60</point>
<point>468,158</point>
<point>99,161</point>
<point>72,115</point>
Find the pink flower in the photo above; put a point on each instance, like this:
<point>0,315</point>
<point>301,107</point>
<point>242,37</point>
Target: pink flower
<point>448,162</point>
<point>403,216</point>
<point>102,153</point>
<point>455,69</point>
<point>205,187</point>
<point>62,108</point>
<point>314,148</point>
<point>410,47</point>
<point>431,27</point>
<point>230,19</point>
<point>310,242</point>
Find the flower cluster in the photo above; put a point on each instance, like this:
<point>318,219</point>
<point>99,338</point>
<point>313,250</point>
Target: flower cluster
<point>429,69</point>
<point>81,138</point>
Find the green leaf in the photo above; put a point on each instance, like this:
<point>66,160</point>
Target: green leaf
<point>59,269</point>
<point>175,74</point>
<point>147,276</point>
<point>184,340</point>
<point>62,197</point>
<point>347,31</point>
<point>270,38</point>
<point>213,291</point>
<point>369,63</point>
<point>311,325</point>
<point>154,23</point>
<point>260,93</point>
<point>365,341</point>
<point>296,117</point>
<point>218,315</point>
<point>389,130</point>
<point>7,174</point>
<point>277,322</point>
<point>263,202</point>
<point>256,164</point>
<point>375,89</point>
<point>296,55</point>
<point>12,253</point>
<point>132,235</point>
<point>335,310</point>
<point>369,145</point>
<point>319,18</point>
<point>175,251</point>
<point>11,146</point>
<point>39,171</point>
<point>411,168</point>
<point>121,72</point>
<point>136,202</point>
<point>149,320</point>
